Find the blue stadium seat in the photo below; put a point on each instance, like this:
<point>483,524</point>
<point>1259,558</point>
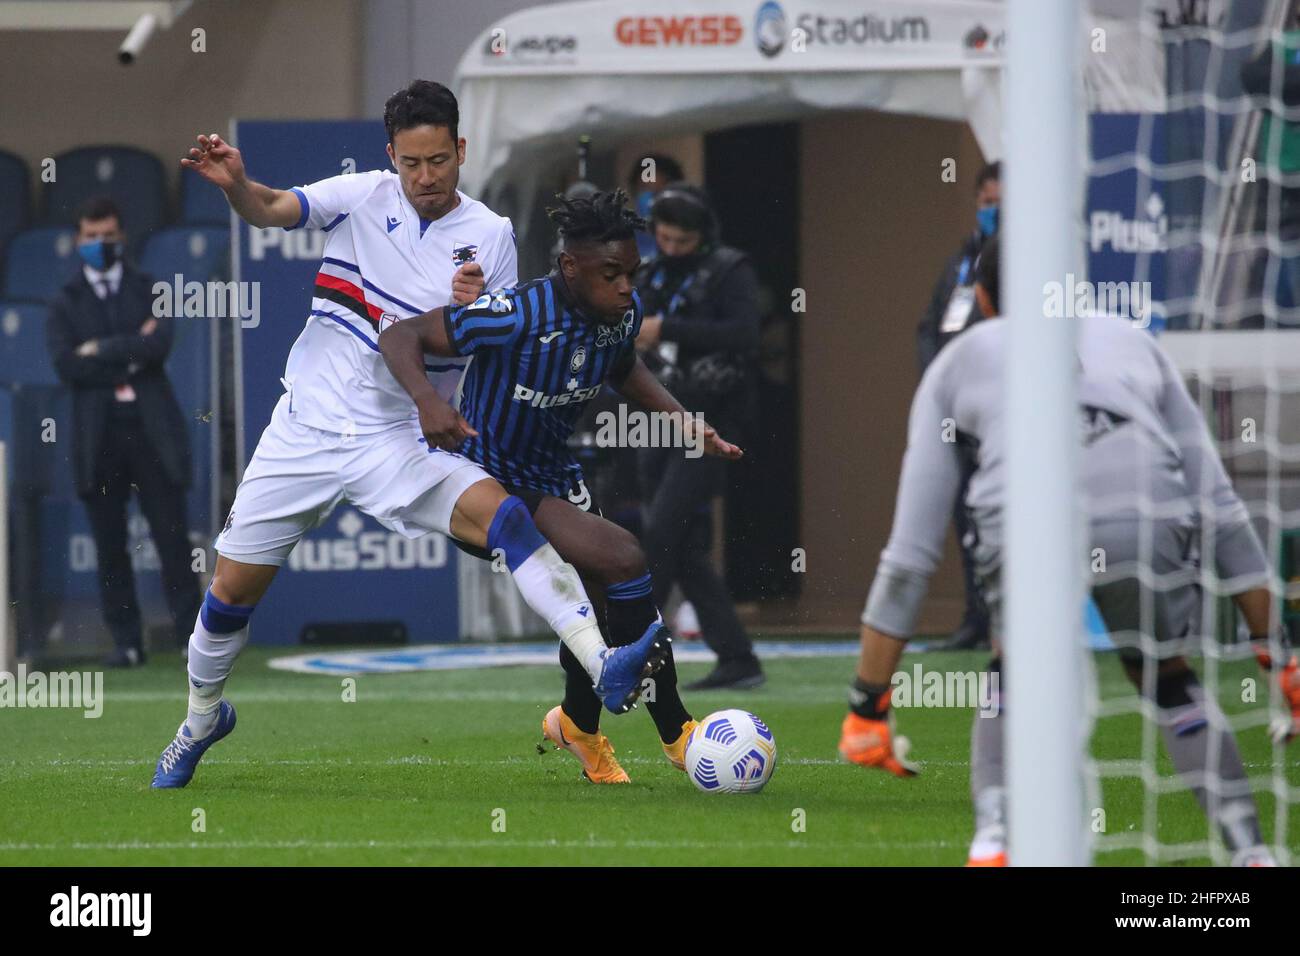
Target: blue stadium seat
<point>202,204</point>
<point>15,197</point>
<point>199,253</point>
<point>132,177</point>
<point>39,263</point>
<point>24,359</point>
<point>189,367</point>
<point>7,434</point>
<point>42,465</point>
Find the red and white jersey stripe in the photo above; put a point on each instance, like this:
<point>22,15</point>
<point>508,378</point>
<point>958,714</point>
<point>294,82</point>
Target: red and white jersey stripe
<point>380,265</point>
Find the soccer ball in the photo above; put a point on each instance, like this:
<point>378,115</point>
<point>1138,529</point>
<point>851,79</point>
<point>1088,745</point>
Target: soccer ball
<point>730,751</point>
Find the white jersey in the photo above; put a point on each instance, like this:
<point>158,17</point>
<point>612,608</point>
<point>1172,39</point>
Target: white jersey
<point>379,267</point>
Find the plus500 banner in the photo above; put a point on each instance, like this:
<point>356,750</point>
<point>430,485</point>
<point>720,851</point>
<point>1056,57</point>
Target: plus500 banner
<point>1128,219</point>
<point>351,569</point>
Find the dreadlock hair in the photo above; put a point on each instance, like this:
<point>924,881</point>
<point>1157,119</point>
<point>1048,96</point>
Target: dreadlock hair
<point>598,217</point>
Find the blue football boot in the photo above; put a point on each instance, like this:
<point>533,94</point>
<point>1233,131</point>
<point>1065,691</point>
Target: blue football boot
<point>177,763</point>
<point>623,669</point>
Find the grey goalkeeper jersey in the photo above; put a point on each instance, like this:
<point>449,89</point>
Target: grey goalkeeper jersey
<point>1146,455</point>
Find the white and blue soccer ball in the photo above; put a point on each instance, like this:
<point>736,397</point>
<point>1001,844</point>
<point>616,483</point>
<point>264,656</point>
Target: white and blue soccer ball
<point>730,751</point>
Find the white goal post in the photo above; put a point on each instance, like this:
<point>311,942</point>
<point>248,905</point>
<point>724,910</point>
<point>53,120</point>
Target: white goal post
<point>1043,567</point>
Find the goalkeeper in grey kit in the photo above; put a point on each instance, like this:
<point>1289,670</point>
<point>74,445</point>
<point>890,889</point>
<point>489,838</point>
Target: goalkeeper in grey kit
<point>1153,485</point>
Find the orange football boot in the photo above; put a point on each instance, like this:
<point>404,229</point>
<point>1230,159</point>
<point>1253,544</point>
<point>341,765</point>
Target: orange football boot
<point>594,751</point>
<point>870,743</point>
<point>676,751</point>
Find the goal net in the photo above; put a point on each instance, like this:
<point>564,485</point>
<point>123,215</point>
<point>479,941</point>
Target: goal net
<point>1195,192</point>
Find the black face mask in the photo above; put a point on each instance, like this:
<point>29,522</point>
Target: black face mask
<point>100,255</point>
<point>680,265</point>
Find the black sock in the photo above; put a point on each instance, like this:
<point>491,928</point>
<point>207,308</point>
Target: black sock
<point>667,709</point>
<point>580,701</point>
<point>869,700</point>
<point>630,609</point>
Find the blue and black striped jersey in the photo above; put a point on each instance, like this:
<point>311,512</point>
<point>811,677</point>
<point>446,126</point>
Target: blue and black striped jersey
<point>538,360</point>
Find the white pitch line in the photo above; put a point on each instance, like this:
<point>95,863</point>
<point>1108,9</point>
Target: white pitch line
<point>806,695</point>
<point>470,845</point>
<point>413,760</point>
<point>332,696</point>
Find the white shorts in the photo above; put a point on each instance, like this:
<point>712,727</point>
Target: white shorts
<point>299,473</point>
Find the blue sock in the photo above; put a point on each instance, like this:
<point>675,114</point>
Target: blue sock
<point>513,533</point>
<point>219,617</point>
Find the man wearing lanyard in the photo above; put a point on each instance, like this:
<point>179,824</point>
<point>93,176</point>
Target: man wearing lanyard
<point>127,428</point>
<point>952,309</point>
<point>700,337</point>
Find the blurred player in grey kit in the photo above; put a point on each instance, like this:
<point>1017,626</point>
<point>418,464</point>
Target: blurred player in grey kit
<point>1151,480</point>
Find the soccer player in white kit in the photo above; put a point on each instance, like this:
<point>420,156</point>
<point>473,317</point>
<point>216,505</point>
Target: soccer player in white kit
<point>398,244</point>
<point>1143,441</point>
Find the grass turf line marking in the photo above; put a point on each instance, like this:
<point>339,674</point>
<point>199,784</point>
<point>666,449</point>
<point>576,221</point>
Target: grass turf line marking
<point>465,844</point>
<point>415,760</point>
<point>330,695</point>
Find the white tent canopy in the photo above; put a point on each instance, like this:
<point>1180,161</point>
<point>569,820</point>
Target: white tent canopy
<point>538,79</point>
<point>530,85</point>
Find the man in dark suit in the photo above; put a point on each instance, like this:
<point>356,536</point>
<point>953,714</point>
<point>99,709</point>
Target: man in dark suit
<point>128,431</point>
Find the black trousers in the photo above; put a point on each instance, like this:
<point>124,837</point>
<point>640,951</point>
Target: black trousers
<point>129,462</point>
<point>677,532</point>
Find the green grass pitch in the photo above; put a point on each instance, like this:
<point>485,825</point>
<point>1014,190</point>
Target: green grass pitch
<point>420,766</point>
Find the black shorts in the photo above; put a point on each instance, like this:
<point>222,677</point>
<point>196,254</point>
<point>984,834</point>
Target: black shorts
<point>579,496</point>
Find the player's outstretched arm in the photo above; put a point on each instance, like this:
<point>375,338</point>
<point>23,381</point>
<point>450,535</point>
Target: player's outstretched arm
<point>928,488</point>
<point>642,387</point>
<point>221,164</point>
<point>403,346</point>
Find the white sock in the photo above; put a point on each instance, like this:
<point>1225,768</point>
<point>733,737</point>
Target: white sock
<point>990,821</point>
<point>554,590</point>
<point>212,656</point>
<point>988,841</point>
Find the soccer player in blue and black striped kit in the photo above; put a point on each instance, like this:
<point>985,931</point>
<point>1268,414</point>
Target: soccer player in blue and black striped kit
<point>542,350</point>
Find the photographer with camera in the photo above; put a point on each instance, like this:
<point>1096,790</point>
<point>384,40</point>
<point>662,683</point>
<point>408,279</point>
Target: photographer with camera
<point>700,337</point>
